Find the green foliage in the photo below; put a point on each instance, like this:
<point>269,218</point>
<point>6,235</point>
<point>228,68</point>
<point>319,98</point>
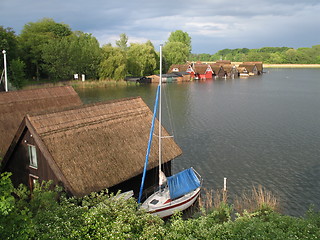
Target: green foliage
<point>17,72</point>
<point>175,53</point>
<point>182,37</point>
<point>142,59</point>
<point>32,38</point>
<point>8,42</point>
<point>122,42</point>
<point>56,61</point>
<point>78,53</point>
<point>111,218</point>
<point>6,199</point>
<point>272,226</point>
<point>15,217</point>
<point>177,49</point>
<point>86,54</point>
<point>46,213</point>
<point>275,55</point>
<point>113,64</point>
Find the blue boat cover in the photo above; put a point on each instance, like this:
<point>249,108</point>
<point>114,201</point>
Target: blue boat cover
<point>183,183</point>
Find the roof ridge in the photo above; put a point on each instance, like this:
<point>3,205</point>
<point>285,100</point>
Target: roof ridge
<point>90,123</point>
<point>84,106</point>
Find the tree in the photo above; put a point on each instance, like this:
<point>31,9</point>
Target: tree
<point>276,58</point>
<point>17,68</point>
<point>180,36</point>
<point>8,42</point>
<point>78,53</point>
<point>142,59</point>
<point>32,38</point>
<point>175,53</point>
<point>56,59</point>
<point>113,64</point>
<point>122,42</point>
<point>177,49</point>
<point>87,54</point>
<point>295,56</point>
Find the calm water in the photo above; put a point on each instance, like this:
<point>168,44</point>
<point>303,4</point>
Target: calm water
<point>260,130</point>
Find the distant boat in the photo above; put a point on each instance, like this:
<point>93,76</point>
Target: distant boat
<point>177,192</point>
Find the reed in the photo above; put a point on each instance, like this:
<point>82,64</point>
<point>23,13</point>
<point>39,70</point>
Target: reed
<point>220,198</point>
<point>79,84</point>
<point>258,200</point>
<point>100,83</point>
<point>210,200</point>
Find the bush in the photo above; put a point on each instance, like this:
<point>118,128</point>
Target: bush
<point>46,213</point>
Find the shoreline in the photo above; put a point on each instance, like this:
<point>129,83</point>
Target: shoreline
<point>291,65</point>
<point>80,84</point>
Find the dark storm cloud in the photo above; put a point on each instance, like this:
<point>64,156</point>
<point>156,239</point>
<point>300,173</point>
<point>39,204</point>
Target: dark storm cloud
<point>212,24</point>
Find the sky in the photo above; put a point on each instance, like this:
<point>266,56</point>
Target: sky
<point>213,25</point>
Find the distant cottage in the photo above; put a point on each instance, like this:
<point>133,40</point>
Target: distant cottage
<point>259,66</point>
<point>15,105</point>
<point>87,148</point>
<point>203,71</point>
<point>218,70</point>
<point>250,68</point>
<point>187,68</point>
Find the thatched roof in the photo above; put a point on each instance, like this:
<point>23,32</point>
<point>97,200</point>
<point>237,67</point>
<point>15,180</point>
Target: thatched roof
<point>15,105</point>
<point>258,64</point>
<point>249,66</point>
<point>227,67</point>
<point>201,68</point>
<point>242,69</point>
<point>100,145</point>
<point>216,68</point>
<point>180,67</point>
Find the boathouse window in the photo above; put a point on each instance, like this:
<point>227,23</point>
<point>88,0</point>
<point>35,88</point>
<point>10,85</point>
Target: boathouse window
<point>32,156</point>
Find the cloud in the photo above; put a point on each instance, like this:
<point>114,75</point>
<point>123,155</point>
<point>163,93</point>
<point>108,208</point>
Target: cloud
<point>212,24</point>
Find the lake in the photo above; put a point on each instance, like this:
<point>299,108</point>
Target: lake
<point>258,130</point>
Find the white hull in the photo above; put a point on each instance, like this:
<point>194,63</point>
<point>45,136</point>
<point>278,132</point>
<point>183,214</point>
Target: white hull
<point>160,203</point>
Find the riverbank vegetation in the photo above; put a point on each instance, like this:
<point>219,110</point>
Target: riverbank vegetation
<point>45,213</point>
<point>46,51</point>
<point>269,55</point>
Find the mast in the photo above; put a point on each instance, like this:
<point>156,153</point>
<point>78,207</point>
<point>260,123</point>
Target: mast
<point>156,105</point>
<point>160,118</point>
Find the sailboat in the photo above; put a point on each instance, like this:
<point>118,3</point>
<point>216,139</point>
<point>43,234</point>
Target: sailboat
<point>177,192</point>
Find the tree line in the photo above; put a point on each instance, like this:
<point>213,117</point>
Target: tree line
<point>51,51</point>
<point>271,55</point>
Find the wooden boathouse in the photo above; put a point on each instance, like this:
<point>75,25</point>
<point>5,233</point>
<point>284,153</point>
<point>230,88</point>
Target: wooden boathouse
<point>88,148</point>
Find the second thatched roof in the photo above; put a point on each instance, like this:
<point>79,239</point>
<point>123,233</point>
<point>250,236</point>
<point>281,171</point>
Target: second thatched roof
<point>16,104</point>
